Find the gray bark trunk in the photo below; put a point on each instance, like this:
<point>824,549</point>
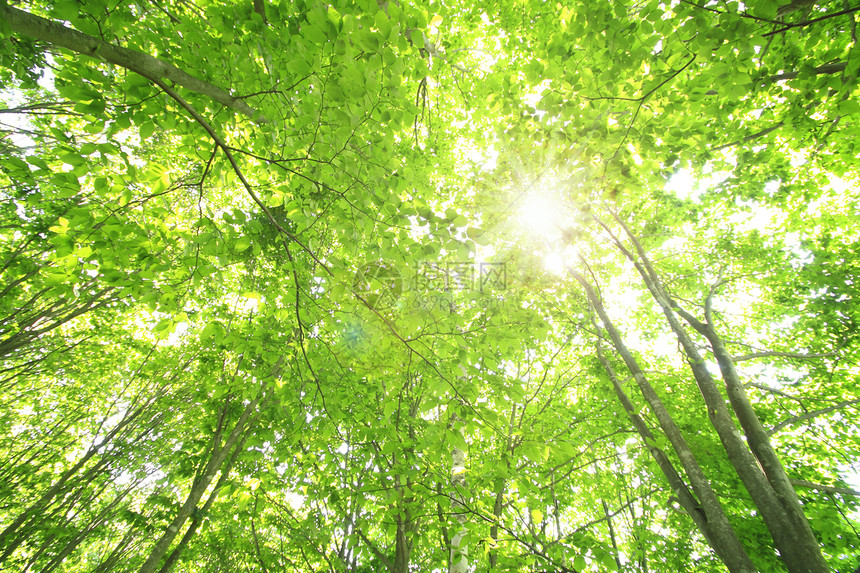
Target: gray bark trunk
<point>197,490</point>
<point>701,504</point>
<point>147,66</point>
<point>780,510</point>
<point>459,560</point>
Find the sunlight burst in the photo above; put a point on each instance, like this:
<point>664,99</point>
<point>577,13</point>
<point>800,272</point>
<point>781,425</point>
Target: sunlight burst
<point>543,215</point>
<point>558,262</point>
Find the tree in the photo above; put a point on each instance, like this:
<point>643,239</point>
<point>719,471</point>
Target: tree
<point>269,302</point>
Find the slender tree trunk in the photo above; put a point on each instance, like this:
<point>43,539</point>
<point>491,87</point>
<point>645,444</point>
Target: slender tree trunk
<point>121,547</point>
<point>497,514</point>
<point>198,516</point>
<point>702,504</point>
<point>500,486</point>
<point>611,533</point>
<point>402,545</point>
<point>406,525</point>
<point>197,490</point>
<point>459,562</point>
<point>95,522</point>
<point>257,552</point>
<point>779,507</point>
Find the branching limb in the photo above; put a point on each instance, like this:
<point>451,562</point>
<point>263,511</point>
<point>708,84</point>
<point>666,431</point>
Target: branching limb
<point>58,35</point>
<point>260,8</point>
<point>772,390</point>
<point>827,488</point>
<point>383,558</point>
<point>219,141</point>
<point>812,414</point>
<point>825,69</point>
<point>778,354</point>
<point>813,21</point>
<point>750,137</point>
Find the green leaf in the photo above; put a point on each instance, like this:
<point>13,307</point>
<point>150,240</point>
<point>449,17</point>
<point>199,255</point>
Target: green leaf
<point>242,243</point>
<point>213,332</point>
<point>146,130</point>
<point>383,23</point>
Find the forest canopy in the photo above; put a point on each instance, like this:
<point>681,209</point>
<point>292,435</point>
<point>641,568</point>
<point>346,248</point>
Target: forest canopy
<point>392,286</point>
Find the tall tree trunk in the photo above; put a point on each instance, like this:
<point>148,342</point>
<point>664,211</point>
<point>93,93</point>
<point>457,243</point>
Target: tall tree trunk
<point>402,545</point>
<point>500,486</point>
<point>757,436</point>
<point>768,487</point>
<point>406,525</point>
<point>198,516</point>
<point>459,560</point>
<point>701,504</point>
<point>113,558</point>
<point>219,455</point>
<point>611,533</point>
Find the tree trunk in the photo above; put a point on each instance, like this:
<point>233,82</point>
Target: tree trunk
<point>771,492</point>
<point>198,516</point>
<point>756,435</point>
<point>611,534</point>
<point>197,491</point>
<point>500,486</point>
<point>702,504</point>
<point>459,559</point>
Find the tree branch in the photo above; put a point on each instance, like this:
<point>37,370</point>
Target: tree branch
<point>778,354</point>
<point>372,546</point>
<point>219,141</point>
<point>260,8</point>
<point>812,414</point>
<point>813,21</point>
<point>750,137</point>
<point>820,70</point>
<point>822,487</point>
<point>772,390</point>
<point>823,69</point>
<point>58,35</point>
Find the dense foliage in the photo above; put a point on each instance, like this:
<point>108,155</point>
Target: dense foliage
<point>404,286</point>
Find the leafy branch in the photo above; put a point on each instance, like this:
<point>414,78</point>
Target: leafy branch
<point>58,35</point>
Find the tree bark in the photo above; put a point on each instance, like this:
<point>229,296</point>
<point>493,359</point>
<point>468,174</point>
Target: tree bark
<point>459,559</point>
<point>757,437</point>
<point>147,66</point>
<point>611,534</point>
<point>197,491</point>
<point>500,486</point>
<point>765,481</point>
<point>702,504</point>
<point>198,515</point>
